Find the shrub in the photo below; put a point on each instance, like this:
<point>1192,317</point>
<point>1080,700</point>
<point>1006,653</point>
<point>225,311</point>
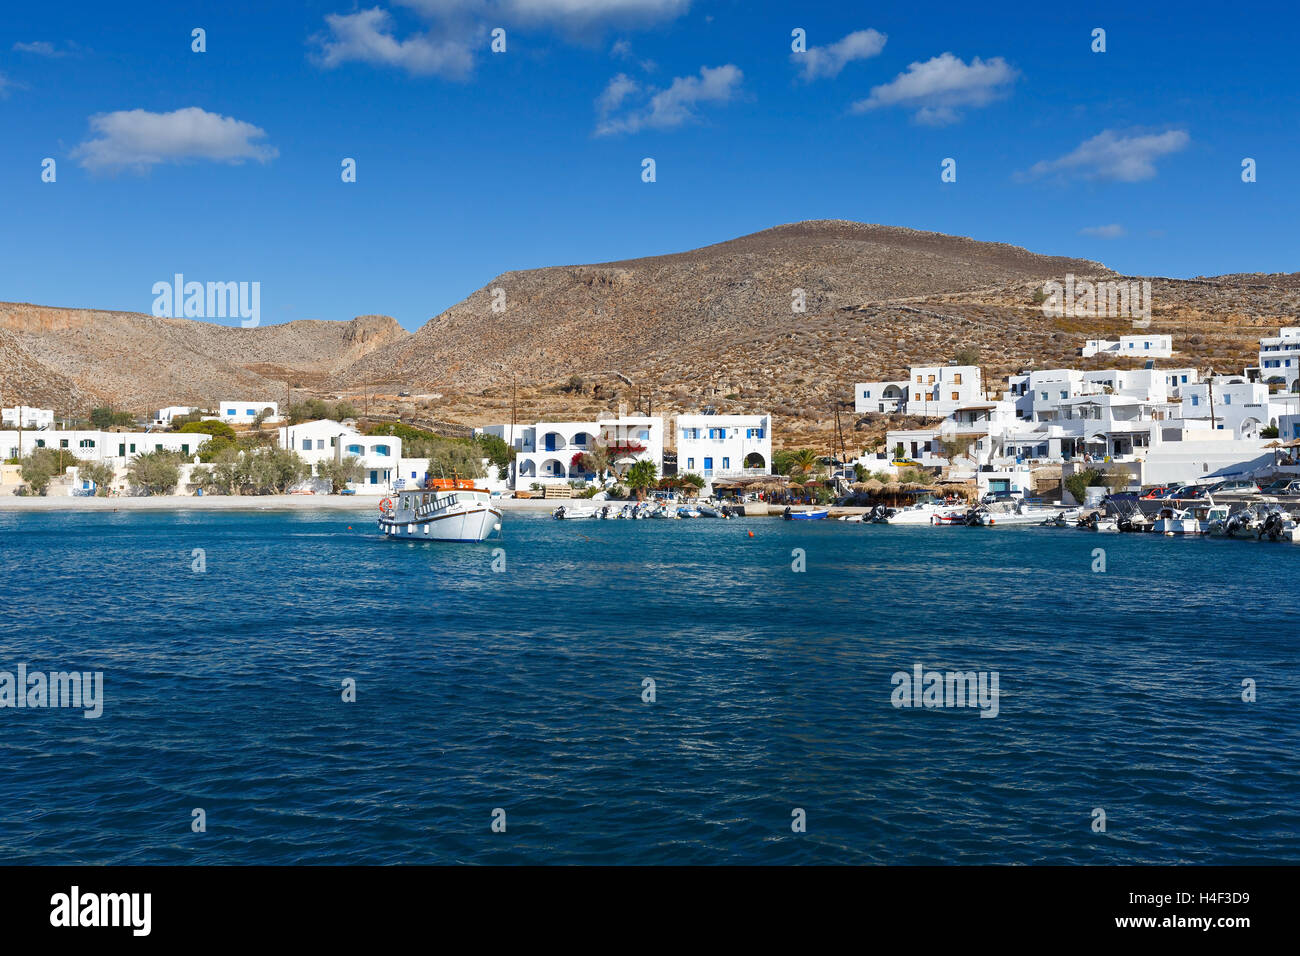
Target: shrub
<point>42,465</point>
<point>214,428</point>
<point>1078,483</point>
<point>155,472</point>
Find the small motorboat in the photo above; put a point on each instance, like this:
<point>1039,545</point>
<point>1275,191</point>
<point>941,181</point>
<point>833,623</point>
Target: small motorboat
<point>814,515</point>
<point>573,512</point>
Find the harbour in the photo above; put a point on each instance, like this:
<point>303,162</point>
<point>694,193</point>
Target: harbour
<point>522,688</point>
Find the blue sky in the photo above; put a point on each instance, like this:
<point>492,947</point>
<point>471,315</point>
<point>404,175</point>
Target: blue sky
<point>225,165</point>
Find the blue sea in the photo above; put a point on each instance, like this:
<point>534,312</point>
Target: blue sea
<point>521,690</point>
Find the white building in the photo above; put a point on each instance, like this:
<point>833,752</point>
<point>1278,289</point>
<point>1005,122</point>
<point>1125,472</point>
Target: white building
<point>1279,358</point>
<point>724,446</point>
<point>1130,346</point>
<point>27,417</point>
<point>885,397</point>
<point>547,452</point>
<point>931,391</point>
<point>1231,403</point>
<point>235,413</point>
<point>163,417</point>
<point>93,445</point>
<point>323,440</point>
<point>937,390</point>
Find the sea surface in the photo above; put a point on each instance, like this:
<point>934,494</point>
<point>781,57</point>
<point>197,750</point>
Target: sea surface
<point>520,690</point>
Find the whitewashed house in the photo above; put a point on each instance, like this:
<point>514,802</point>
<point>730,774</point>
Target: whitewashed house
<point>27,417</point>
<point>937,390</point>
<point>244,413</point>
<point>380,456</point>
<point>1231,402</point>
<point>724,446</point>
<point>547,450</point>
<point>887,397</point>
<point>1279,358</point>
<point>1130,346</point>
<point>163,417</point>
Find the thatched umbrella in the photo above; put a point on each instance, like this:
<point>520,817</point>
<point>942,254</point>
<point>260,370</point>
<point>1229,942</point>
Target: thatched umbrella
<point>873,485</point>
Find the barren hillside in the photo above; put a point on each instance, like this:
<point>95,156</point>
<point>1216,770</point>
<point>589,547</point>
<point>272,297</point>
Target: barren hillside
<point>67,357</point>
<point>713,326</point>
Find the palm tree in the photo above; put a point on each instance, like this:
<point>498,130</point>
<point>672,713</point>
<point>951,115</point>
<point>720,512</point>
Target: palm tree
<point>640,476</point>
<point>692,481</point>
<point>803,463</point>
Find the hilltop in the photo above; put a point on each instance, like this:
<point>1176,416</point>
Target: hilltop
<point>712,326</point>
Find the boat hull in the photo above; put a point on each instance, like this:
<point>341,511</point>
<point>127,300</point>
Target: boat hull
<point>471,524</point>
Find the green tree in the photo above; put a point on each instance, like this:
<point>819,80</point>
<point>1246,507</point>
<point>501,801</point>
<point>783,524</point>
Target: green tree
<point>1268,431</point>
<point>967,355</point>
<point>214,446</point>
<point>803,463</point>
<point>212,427</point>
<point>227,472</point>
<point>101,417</point>
<point>271,470</point>
<point>339,473</point>
<point>640,476</point>
<point>1078,483</point>
<point>691,481</point>
<point>99,473</point>
<point>41,466</point>
<point>155,472</point>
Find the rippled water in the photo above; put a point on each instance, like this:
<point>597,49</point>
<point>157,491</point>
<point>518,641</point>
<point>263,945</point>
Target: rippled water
<point>522,690</point>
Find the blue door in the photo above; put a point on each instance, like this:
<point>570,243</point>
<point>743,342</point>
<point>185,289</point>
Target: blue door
<point>374,477</point>
<point>550,441</point>
<point>708,465</point>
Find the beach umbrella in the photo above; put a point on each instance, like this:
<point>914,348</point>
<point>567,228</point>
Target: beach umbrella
<point>873,484</point>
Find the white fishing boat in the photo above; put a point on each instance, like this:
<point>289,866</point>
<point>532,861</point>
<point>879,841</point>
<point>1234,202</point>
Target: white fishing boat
<point>1195,520</point>
<point>919,513</point>
<point>450,509</point>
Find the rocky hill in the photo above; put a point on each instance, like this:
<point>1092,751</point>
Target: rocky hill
<point>715,326</point>
<point>69,358</point>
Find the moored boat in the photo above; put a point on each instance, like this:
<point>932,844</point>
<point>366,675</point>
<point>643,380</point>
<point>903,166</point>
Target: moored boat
<point>449,509</point>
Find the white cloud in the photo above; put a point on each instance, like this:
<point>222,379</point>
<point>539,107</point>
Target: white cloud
<point>1112,231</point>
<point>590,15</point>
<point>140,139</point>
<point>618,90</point>
<point>367,37</point>
<point>828,61</point>
<point>1126,157</point>
<point>664,109</point>
<point>5,83</point>
<point>40,48</point>
<point>941,85</point>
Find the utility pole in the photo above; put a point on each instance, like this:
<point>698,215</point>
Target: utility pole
<point>1209,381</point>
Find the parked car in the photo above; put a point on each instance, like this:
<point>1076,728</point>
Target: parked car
<point>1157,491</point>
<point>1282,488</point>
<point>1234,486</point>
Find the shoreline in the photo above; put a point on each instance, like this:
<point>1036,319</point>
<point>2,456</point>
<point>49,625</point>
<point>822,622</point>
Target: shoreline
<point>366,505</point>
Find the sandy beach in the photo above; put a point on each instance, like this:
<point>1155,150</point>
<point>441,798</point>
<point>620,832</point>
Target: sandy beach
<point>366,506</point>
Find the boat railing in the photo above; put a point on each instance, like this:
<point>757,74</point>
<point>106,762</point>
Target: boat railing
<point>437,504</point>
